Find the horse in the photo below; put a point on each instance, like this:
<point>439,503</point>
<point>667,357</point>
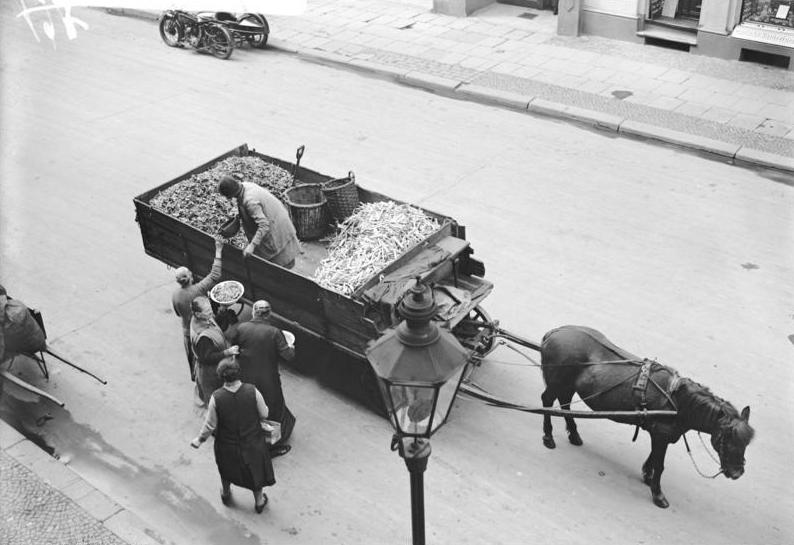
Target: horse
<point>581,360</point>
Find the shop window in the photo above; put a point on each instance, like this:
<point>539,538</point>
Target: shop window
<point>770,12</point>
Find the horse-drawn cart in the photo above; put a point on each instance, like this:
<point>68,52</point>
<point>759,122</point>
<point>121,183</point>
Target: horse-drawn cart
<point>343,323</point>
<point>575,360</point>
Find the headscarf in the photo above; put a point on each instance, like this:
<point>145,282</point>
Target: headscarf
<point>261,309</point>
<point>183,276</point>
<point>203,322</point>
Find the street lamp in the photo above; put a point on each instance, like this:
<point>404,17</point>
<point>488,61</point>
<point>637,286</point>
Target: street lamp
<point>419,368</point>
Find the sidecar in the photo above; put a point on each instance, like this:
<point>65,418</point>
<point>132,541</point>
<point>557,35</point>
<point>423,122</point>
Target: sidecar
<point>248,28</point>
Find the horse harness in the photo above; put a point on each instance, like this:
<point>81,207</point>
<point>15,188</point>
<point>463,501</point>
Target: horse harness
<point>640,390</point>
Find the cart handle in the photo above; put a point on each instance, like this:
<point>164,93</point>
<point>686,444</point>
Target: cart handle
<point>29,387</point>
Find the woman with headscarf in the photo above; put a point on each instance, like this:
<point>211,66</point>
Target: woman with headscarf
<point>209,346</point>
<point>237,415</point>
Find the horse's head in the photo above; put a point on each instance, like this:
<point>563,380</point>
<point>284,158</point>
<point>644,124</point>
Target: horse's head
<point>731,441</point>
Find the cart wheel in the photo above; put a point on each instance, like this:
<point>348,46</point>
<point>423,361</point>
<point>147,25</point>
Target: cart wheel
<point>472,332</point>
<point>171,31</point>
<point>221,43</point>
<point>258,40</point>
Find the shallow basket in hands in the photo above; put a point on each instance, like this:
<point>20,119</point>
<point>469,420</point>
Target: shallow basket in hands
<point>223,286</point>
<point>230,227</point>
<point>342,195</point>
<point>308,209</point>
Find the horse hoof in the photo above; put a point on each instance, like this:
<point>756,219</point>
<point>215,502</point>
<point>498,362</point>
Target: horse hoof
<point>660,501</point>
<point>548,441</point>
<point>575,439</point>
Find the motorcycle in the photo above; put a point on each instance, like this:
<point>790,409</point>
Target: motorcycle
<point>201,31</point>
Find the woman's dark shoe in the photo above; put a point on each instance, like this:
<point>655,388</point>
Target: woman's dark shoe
<point>260,508</point>
<point>226,498</point>
<point>279,450</point>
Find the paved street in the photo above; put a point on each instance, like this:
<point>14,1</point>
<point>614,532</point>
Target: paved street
<point>672,255</point>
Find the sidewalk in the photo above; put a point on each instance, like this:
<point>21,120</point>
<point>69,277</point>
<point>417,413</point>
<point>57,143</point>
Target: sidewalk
<point>511,57</point>
<point>43,501</point>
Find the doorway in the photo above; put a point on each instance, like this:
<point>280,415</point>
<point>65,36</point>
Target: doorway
<point>676,13</point>
<point>688,9</point>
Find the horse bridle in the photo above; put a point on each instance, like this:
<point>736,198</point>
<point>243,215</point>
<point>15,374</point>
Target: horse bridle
<point>694,463</point>
<point>721,445</point>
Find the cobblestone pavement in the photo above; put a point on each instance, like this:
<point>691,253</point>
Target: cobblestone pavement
<point>44,502</point>
<point>33,512</point>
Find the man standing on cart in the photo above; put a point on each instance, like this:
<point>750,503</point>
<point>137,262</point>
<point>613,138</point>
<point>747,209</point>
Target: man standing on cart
<point>265,221</point>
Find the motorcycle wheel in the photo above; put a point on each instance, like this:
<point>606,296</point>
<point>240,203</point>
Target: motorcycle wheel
<point>220,41</point>
<point>256,40</point>
<point>171,31</point>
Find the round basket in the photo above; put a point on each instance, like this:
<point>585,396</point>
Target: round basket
<point>227,292</point>
<point>342,195</point>
<point>307,207</point>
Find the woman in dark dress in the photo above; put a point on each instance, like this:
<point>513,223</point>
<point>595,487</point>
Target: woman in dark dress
<point>237,415</point>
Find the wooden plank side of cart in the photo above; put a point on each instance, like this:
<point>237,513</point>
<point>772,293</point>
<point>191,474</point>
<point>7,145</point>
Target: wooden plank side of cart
<point>298,301</point>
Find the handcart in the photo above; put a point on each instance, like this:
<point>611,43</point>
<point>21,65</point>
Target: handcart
<point>32,345</point>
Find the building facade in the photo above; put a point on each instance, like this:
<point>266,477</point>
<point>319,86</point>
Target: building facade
<point>751,30</point>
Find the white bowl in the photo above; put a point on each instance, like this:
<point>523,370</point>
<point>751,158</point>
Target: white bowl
<point>213,292</point>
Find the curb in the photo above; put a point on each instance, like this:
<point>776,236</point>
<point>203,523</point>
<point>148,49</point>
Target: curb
<point>698,143</point>
<point>127,526</point>
<point>761,158</point>
<point>599,120</point>
<point>737,154</point>
<point>505,99</point>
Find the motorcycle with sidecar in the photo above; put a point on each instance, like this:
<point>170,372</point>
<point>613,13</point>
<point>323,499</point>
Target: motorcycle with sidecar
<point>201,31</point>
<point>217,33</point>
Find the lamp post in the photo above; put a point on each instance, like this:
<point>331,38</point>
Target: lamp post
<point>419,368</point>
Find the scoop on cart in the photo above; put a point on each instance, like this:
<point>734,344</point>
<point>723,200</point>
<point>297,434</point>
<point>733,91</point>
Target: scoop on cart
<point>230,227</point>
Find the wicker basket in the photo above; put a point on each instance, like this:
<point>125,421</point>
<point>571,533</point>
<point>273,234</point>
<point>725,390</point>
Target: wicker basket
<point>308,209</point>
<point>342,195</point>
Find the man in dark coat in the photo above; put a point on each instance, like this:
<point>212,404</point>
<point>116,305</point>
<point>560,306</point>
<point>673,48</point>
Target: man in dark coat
<point>262,345</point>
